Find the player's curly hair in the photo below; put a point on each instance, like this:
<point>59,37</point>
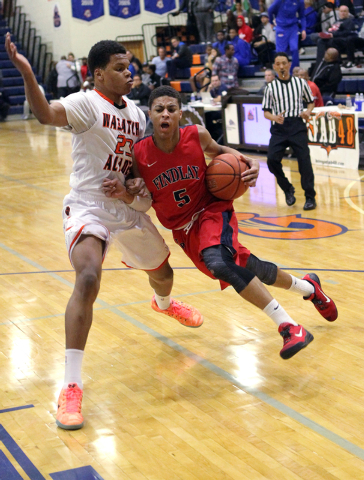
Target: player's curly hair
<point>100,53</point>
<point>164,91</point>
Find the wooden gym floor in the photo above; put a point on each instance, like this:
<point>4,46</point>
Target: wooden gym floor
<point>166,402</point>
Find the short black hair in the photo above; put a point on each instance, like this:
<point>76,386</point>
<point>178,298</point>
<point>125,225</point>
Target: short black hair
<point>152,67</point>
<point>227,46</point>
<point>164,91</point>
<point>100,53</point>
<point>281,54</point>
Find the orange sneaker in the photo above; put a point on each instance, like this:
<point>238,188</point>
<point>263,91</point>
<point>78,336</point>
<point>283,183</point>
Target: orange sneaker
<point>185,314</point>
<point>69,414</point>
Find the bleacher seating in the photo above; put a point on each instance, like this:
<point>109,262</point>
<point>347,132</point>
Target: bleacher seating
<point>12,81</point>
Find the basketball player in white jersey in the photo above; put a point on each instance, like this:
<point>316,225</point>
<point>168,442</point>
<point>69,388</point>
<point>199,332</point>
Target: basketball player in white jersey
<point>105,126</point>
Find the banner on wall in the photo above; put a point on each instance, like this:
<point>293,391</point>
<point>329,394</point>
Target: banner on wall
<point>159,6</point>
<point>124,8</point>
<point>87,10</point>
<point>56,16</point>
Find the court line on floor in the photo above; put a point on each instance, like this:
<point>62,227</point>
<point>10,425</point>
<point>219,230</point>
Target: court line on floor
<point>348,198</point>
<point>289,412</point>
<point>12,409</point>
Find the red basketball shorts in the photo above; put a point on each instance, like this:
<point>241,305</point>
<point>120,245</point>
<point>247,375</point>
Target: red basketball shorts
<point>214,226</point>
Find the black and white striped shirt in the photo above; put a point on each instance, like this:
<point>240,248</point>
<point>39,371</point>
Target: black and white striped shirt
<point>287,96</point>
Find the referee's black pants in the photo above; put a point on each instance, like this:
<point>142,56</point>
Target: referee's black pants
<point>293,133</point>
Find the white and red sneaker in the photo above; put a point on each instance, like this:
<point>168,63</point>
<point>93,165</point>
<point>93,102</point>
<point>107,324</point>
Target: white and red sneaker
<point>295,338</point>
<point>186,314</point>
<point>323,304</point>
<point>69,415</point>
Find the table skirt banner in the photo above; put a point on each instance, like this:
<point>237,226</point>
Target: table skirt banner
<point>333,139</point>
<point>87,10</point>
<point>159,6</point>
<point>124,8</point>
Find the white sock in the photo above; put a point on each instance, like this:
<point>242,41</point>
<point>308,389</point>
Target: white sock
<point>278,313</point>
<point>73,364</point>
<point>303,287</point>
<point>162,302</point>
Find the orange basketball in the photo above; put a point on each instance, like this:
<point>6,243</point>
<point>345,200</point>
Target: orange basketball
<point>223,177</point>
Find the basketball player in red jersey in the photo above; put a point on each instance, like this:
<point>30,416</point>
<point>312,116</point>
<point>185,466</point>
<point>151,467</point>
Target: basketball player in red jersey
<point>173,166</point>
<point>104,126</point>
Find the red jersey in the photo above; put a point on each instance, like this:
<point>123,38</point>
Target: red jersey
<point>176,180</point>
<point>316,94</point>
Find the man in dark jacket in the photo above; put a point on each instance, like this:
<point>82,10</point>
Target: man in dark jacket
<point>181,58</point>
<point>328,74</point>
<point>337,36</point>
<point>204,14</point>
<point>139,91</point>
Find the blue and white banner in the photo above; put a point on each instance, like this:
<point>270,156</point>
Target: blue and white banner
<point>87,10</point>
<point>159,6</point>
<point>124,8</point>
<point>224,5</point>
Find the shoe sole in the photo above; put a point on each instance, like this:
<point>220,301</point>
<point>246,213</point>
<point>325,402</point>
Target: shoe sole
<point>69,427</point>
<point>296,348</point>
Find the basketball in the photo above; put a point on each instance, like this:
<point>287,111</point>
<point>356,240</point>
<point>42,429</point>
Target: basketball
<point>223,177</point>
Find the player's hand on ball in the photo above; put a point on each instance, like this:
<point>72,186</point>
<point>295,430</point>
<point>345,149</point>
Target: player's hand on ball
<point>250,176</point>
<point>136,186</point>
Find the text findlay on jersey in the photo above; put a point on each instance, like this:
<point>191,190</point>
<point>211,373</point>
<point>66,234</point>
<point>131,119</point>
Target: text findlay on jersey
<point>175,174</point>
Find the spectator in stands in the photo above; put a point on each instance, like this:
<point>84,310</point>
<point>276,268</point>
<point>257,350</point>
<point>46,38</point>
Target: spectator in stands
<point>221,42</point>
<point>204,14</point>
<point>51,82</point>
<point>135,64</point>
<point>181,58</point>
<point>216,88</point>
<point>314,88</point>
<point>311,17</point>
<point>238,9</point>
<point>355,43</point>
<point>287,14</point>
<point>202,79</point>
<point>241,48</point>
<point>139,91</point>
<point>269,76</point>
<point>84,69</point>
<point>160,62</point>
<point>327,75</point>
<point>244,31</point>
<point>226,68</point>
<point>145,74</point>
<point>328,18</point>
<point>264,40</point>
<point>231,21</point>
<point>4,105</point>
<point>154,78</point>
<point>191,25</point>
<point>337,36</point>
<point>67,81</point>
<point>350,5</point>
<point>296,71</point>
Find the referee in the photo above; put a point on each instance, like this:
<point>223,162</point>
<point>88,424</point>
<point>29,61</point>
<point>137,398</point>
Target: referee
<point>283,105</point>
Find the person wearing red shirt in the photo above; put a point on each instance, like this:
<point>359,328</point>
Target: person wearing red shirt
<point>314,88</point>
<point>172,164</point>
<point>244,32</point>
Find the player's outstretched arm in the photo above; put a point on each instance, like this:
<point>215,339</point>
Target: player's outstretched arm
<point>213,149</point>
<point>46,114</point>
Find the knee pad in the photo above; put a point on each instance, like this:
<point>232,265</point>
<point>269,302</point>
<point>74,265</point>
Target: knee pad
<point>219,260</point>
<point>265,271</point>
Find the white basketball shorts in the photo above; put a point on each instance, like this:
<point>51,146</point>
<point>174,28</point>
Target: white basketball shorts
<point>133,232</point>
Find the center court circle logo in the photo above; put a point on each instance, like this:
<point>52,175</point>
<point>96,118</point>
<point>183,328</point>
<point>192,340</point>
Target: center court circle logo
<point>289,227</point>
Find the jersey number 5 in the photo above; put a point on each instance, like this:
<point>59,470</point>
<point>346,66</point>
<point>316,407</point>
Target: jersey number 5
<point>181,197</point>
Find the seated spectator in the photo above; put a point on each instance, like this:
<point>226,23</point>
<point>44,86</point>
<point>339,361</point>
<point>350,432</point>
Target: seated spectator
<point>327,75</point>
<point>84,69</point>
<point>221,42</point>
<point>181,58</point>
<point>145,74</point>
<point>231,21</point>
<point>154,78</point>
<point>328,18</point>
<point>139,91</point>
<point>314,88</point>
<point>4,105</point>
<point>241,49</point>
<point>264,41</point>
<point>226,67</point>
<point>269,76</point>
<point>296,71</point>
<point>67,79</point>
<point>244,31</point>
<point>216,88</point>
<point>160,62</point>
<point>237,9</point>
<point>203,78</point>
<point>135,64</point>
<point>337,36</point>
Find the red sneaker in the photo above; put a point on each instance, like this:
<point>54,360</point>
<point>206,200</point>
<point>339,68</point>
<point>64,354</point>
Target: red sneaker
<point>323,304</point>
<point>69,414</point>
<point>185,314</point>
<point>295,338</point>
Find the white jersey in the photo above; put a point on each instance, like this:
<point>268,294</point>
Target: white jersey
<point>103,137</point>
